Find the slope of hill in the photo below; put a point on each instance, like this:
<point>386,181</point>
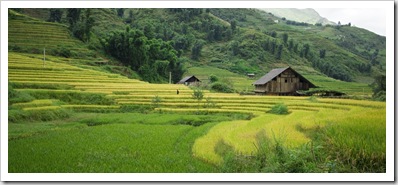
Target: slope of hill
<point>237,40</point>
<point>152,125</point>
<point>307,15</point>
<point>27,34</point>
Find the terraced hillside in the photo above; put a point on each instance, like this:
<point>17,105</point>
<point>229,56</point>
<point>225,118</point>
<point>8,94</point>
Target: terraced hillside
<point>34,35</point>
<point>352,127</point>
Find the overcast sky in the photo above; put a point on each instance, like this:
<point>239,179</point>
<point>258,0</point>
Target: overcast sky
<point>371,19</point>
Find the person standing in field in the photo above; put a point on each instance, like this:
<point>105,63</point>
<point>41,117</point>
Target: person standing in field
<point>178,92</point>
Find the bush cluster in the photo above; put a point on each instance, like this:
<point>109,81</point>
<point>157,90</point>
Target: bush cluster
<point>279,109</point>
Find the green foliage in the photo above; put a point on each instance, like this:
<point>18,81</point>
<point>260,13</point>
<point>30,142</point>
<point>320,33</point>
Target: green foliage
<point>379,88</point>
<point>55,15</point>
<point>72,97</point>
<point>221,87</point>
<point>153,58</point>
<point>279,108</point>
<point>37,115</point>
<point>272,156</point>
<point>196,49</point>
<point>17,97</point>
<point>213,78</point>
<point>118,136</point>
<point>156,101</point>
<point>322,53</point>
<point>210,103</point>
<point>380,96</point>
<point>312,99</point>
<point>120,12</point>
<point>136,108</point>
<point>80,23</point>
<point>197,94</point>
<point>285,38</point>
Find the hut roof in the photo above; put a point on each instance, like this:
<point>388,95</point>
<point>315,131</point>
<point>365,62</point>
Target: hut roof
<point>275,72</point>
<point>186,79</point>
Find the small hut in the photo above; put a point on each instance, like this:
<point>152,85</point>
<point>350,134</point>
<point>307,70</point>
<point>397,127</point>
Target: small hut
<point>250,75</point>
<point>189,80</point>
<point>281,81</point>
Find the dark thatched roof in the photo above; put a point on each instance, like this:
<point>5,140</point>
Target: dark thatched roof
<point>188,79</point>
<point>274,73</point>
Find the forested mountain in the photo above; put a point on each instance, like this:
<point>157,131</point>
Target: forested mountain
<point>155,42</point>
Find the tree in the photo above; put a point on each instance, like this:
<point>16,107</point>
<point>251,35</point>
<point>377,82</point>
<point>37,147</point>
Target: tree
<point>234,45</point>
<point>89,23</point>
<point>130,17</point>
<point>322,53</point>
<point>213,78</point>
<point>73,16</point>
<point>273,46</point>
<point>273,34</point>
<point>306,50</point>
<point>156,101</point>
<point>233,25</point>
<point>279,52</point>
<point>379,85</point>
<point>285,37</point>
<point>291,44</point>
<point>120,12</point>
<point>197,95</point>
<point>80,25</point>
<point>153,59</point>
<point>55,15</point>
<point>196,49</point>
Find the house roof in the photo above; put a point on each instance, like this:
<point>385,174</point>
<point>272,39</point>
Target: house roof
<point>269,76</point>
<point>186,79</point>
<point>275,72</point>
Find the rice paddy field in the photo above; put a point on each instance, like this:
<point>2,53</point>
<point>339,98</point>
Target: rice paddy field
<point>73,119</point>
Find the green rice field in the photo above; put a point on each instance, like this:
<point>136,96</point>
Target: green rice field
<point>73,119</point>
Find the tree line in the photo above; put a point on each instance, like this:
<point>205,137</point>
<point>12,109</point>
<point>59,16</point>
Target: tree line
<point>153,58</point>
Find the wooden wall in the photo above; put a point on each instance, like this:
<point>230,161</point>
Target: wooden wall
<point>286,82</point>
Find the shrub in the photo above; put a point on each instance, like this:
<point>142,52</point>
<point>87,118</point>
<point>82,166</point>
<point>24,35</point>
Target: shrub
<point>17,97</point>
<point>74,97</point>
<point>197,94</point>
<point>216,60</point>
<point>210,103</point>
<point>312,99</point>
<point>221,87</point>
<point>37,115</point>
<point>213,78</point>
<point>279,109</point>
<point>156,101</point>
<point>380,96</point>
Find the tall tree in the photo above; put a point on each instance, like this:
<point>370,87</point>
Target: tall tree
<point>73,16</point>
<point>196,49</point>
<point>55,15</point>
<point>322,53</point>
<point>233,25</point>
<point>120,12</point>
<point>89,23</point>
<point>279,52</point>
<point>285,37</point>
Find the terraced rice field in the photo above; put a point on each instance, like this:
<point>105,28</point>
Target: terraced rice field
<point>32,34</point>
<point>357,119</point>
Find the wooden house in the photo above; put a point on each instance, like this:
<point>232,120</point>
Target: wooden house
<point>189,80</point>
<point>281,81</point>
<point>250,75</point>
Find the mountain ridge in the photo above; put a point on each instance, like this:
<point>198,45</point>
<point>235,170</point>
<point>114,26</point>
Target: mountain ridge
<point>245,41</point>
